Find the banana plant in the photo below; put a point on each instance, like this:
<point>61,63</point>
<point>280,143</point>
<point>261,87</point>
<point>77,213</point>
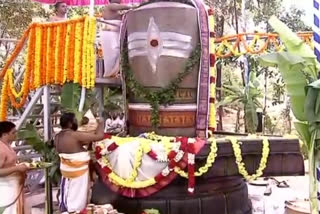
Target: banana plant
<point>299,68</point>
<point>70,99</point>
<point>246,97</point>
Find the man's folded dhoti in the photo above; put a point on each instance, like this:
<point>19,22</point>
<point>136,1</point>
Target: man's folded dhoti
<point>110,42</point>
<point>11,190</point>
<point>74,185</point>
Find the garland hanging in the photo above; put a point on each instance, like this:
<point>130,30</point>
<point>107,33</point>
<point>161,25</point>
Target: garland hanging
<point>57,53</point>
<point>174,156</point>
<point>212,99</point>
<point>241,166</point>
<point>176,148</point>
<point>165,96</point>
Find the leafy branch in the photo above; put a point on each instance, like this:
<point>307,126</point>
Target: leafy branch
<point>164,96</point>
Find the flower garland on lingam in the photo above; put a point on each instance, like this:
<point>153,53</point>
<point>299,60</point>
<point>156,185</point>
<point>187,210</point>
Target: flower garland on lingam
<point>56,53</point>
<point>175,149</point>
<point>212,99</point>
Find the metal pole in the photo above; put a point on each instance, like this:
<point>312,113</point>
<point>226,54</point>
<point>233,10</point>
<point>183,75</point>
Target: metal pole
<point>47,138</point>
<point>91,9</point>
<point>236,16</point>
<point>83,90</point>
<point>29,108</point>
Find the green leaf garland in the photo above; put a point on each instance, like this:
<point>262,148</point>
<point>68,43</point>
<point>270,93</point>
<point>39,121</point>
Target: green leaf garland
<point>166,95</point>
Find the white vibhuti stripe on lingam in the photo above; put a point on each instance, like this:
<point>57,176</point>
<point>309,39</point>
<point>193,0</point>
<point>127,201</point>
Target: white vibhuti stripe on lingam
<point>155,43</point>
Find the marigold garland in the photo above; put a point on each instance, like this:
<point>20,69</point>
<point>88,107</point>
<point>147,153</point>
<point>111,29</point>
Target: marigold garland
<point>71,52</point>
<point>10,82</point>
<point>85,52</point>
<point>50,54</point>
<point>31,57</point>
<point>44,59</point>
<point>4,99</point>
<point>55,54</point>
<point>259,44</point>
<point>79,29</point>
<point>241,166</point>
<point>15,52</point>
<point>66,59</point>
<point>62,53</point>
<point>38,58</point>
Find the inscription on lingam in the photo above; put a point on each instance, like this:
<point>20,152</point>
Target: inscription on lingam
<point>167,119</point>
<point>185,94</point>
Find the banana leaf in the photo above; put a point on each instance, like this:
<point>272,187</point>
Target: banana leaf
<point>299,67</point>
<point>70,97</point>
<point>312,104</point>
<point>290,67</point>
<point>296,46</point>
<point>251,117</point>
<point>304,132</point>
<point>48,152</point>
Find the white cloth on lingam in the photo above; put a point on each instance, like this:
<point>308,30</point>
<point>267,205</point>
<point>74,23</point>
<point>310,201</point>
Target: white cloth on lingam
<point>123,158</point>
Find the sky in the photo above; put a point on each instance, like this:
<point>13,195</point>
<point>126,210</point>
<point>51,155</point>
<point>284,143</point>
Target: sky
<point>306,5</point>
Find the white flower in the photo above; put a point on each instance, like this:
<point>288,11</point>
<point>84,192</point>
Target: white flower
<point>165,171</point>
<point>104,152</point>
<point>176,147</point>
<point>191,140</point>
<point>161,157</point>
<point>190,189</point>
<point>179,156</point>
<point>191,158</point>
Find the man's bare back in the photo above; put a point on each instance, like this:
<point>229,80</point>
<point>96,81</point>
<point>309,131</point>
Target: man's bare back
<point>71,141</point>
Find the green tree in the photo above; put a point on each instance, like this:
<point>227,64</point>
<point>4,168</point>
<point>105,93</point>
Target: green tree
<point>246,99</point>
<point>263,9</point>
<point>15,17</point>
<point>293,19</point>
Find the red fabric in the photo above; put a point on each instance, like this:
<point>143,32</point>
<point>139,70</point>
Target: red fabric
<point>107,136</point>
<point>212,80</point>
<point>152,155</point>
<point>97,152</point>
<point>112,147</point>
<point>212,60</point>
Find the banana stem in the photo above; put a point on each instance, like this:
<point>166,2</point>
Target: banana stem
<point>313,183</point>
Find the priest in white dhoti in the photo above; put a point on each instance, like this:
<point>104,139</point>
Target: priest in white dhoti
<point>11,174</point>
<point>109,36</point>
<point>74,163</point>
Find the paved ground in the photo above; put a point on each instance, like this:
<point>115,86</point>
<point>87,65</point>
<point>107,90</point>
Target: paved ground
<point>273,204</point>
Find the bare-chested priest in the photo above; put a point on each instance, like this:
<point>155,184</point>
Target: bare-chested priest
<point>61,12</point>
<point>74,162</point>
<point>110,40</point>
